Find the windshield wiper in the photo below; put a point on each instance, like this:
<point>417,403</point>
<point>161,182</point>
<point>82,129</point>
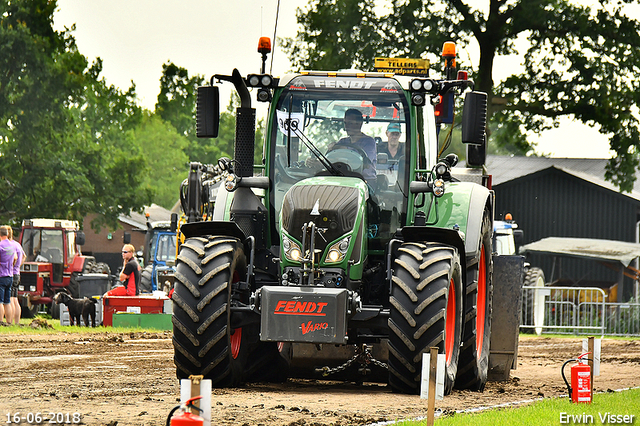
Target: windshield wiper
<point>293,127</point>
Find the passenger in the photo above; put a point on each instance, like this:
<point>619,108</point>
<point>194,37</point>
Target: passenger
<point>393,148</point>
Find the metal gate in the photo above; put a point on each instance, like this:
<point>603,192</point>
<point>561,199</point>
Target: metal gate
<point>563,310</point>
<point>622,319</point>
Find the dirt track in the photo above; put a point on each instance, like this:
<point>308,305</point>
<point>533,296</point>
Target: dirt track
<point>130,379</point>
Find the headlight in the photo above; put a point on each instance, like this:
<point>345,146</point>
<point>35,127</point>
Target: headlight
<point>416,84</point>
<point>231,183</point>
<point>291,249</point>
<point>338,251</point>
<point>438,187</point>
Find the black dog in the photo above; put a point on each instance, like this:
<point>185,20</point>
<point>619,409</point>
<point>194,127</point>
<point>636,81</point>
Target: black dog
<point>78,307</point>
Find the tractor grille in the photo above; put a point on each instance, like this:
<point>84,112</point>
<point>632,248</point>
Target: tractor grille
<point>29,281</point>
<point>337,205</point>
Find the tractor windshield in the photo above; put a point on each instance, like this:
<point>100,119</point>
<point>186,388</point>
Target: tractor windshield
<point>343,126</point>
<point>43,245</point>
<point>166,247</point>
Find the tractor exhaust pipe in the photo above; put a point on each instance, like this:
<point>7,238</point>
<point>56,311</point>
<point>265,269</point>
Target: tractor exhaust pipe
<point>245,128</point>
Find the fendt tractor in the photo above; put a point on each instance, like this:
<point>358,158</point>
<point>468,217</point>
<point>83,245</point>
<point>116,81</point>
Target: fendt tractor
<point>323,261</point>
<point>53,262</point>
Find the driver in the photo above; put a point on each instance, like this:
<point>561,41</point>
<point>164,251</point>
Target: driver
<point>353,126</point>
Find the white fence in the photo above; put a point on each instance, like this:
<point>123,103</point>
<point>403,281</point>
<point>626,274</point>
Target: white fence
<point>576,310</point>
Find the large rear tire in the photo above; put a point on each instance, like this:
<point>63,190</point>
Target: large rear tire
<point>426,311</point>
<point>203,341</point>
<point>146,277</point>
<point>476,338</point>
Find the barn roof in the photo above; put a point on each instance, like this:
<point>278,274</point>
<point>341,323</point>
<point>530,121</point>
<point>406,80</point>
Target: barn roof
<point>504,168</point>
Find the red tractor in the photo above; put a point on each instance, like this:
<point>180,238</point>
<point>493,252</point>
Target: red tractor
<point>53,263</point>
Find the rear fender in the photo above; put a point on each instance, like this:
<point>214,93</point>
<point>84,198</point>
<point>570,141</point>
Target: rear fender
<point>215,227</point>
<point>445,236</point>
<point>463,207</point>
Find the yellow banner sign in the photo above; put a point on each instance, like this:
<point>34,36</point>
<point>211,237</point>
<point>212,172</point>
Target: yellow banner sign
<point>403,66</point>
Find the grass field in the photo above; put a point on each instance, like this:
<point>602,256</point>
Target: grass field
<point>607,408</point>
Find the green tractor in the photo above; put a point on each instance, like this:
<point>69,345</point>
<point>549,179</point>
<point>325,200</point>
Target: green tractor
<point>333,259</point>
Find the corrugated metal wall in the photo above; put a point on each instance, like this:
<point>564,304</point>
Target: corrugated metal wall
<point>552,203</point>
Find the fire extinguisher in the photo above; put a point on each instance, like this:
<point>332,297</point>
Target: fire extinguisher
<point>580,389</point>
<point>186,418</point>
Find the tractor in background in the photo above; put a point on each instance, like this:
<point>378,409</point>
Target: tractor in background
<point>158,257</point>
<point>53,263</point>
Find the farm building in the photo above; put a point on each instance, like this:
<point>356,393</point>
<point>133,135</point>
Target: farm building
<point>552,197</point>
<point>106,245</point>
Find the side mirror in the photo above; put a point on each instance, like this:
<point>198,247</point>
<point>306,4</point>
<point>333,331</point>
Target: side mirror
<point>126,238</point>
<point>474,118</point>
<point>207,112</point>
<point>518,236</point>
<point>476,154</point>
<point>80,238</point>
<point>174,222</point>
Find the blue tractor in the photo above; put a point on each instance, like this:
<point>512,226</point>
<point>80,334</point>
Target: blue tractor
<point>159,258</point>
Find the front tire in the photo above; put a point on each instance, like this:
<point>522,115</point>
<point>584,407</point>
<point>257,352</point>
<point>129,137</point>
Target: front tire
<point>426,311</point>
<point>204,344</point>
<point>476,338</point>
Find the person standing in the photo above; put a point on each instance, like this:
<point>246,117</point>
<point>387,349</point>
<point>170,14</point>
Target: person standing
<point>8,258</point>
<point>15,303</point>
<point>130,274</point>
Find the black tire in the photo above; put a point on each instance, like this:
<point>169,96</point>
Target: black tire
<point>146,277</point>
<point>74,286</point>
<point>474,356</point>
<point>204,343</point>
<point>533,277</point>
<point>424,313</point>
<point>54,310</point>
<point>89,264</point>
<point>101,268</point>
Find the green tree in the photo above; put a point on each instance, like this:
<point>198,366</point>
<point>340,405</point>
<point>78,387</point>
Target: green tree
<point>163,148</point>
<point>63,151</point>
<point>177,105</point>
<point>579,62</point>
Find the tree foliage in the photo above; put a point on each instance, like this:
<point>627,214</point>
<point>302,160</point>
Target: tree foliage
<point>63,148</point>
<point>579,62</point>
<point>163,148</point>
<point>177,105</point>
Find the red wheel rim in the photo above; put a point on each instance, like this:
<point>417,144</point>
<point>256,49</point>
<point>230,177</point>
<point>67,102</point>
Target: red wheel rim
<point>481,301</point>
<point>450,325</point>
<point>236,342</point>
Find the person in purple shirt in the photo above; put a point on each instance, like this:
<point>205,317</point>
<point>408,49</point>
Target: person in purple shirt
<point>15,303</point>
<point>8,259</point>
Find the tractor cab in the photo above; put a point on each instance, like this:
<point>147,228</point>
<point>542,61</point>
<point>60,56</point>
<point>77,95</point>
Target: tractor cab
<point>53,260</point>
<point>309,139</point>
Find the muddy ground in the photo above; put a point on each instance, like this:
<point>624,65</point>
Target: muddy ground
<point>129,379</point>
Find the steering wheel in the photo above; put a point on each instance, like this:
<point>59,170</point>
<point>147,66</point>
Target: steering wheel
<point>352,156</point>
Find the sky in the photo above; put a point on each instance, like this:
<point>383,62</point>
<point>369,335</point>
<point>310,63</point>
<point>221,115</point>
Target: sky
<point>135,37</point>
